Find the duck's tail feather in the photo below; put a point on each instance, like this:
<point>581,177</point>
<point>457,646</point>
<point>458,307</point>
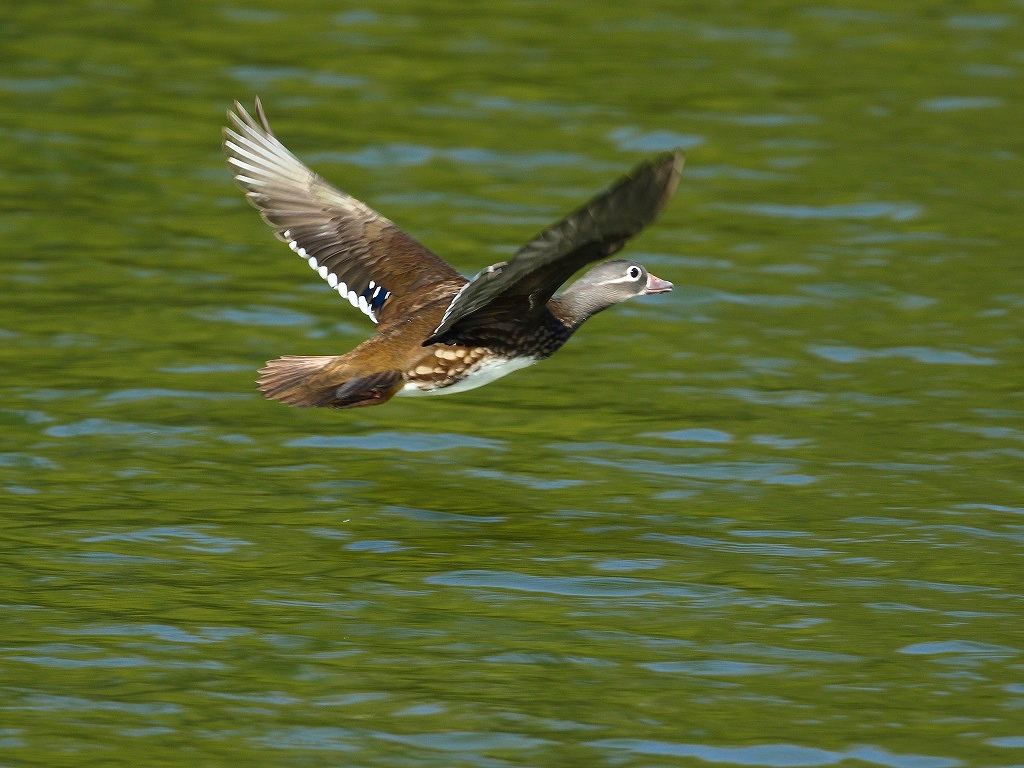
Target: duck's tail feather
<point>299,381</point>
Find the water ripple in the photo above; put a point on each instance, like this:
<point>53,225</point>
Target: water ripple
<point>715,667</point>
<point>106,427</point>
<point>870,210</point>
<point>197,539</point>
<point>435,516</point>
<point>959,648</point>
<point>524,480</point>
<point>133,395</point>
<point>576,586</point>
<point>697,435</point>
<point>774,550</point>
<point>775,755</point>
<point>269,316</point>
<point>407,154</point>
<point>112,661</point>
<point>65,704</point>
<point>398,441</point>
<point>847,354</point>
<point>774,472</point>
<point>26,460</point>
<point>952,103</point>
<point>310,737</point>
<point>636,140</point>
<point>165,632</point>
<point>460,741</point>
<point>37,85</point>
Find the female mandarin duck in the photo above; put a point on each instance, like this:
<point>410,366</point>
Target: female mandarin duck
<point>437,332</point>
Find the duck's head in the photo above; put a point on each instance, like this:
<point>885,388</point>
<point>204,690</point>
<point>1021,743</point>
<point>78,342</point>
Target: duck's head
<point>606,285</point>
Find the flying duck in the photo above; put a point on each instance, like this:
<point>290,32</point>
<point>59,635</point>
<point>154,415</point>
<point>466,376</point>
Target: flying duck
<point>437,332</point>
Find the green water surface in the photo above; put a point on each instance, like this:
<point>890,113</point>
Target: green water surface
<point>774,518</point>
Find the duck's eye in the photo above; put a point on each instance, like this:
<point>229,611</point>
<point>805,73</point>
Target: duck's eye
<point>634,273</point>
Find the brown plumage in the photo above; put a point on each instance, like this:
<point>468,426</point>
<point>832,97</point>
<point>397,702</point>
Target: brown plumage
<point>436,331</point>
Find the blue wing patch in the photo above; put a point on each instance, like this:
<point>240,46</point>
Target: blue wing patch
<point>375,295</point>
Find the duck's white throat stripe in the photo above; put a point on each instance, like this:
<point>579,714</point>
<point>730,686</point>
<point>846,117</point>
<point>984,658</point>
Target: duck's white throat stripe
<point>368,302</point>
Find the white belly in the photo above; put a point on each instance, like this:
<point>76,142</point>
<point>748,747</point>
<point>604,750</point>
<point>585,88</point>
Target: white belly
<point>485,373</point>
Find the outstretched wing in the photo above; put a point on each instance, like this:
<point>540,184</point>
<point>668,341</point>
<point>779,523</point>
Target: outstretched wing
<point>371,262</point>
<point>520,288</point>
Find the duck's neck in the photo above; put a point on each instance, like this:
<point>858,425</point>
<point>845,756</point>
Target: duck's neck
<point>576,304</point>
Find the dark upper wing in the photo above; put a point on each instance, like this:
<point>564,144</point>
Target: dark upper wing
<point>364,256</point>
<point>520,288</point>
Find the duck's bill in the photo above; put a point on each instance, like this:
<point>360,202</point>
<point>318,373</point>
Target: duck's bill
<point>656,285</point>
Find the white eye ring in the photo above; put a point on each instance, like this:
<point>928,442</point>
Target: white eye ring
<point>633,273</point>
